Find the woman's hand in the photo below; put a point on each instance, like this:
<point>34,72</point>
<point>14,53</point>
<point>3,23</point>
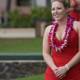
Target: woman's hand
<point>60,72</point>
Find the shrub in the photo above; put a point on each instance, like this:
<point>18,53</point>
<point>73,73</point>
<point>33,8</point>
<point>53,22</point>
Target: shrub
<point>17,20</point>
<point>39,13</point>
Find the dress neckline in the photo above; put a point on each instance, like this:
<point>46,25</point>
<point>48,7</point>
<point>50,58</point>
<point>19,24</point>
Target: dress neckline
<point>64,35</point>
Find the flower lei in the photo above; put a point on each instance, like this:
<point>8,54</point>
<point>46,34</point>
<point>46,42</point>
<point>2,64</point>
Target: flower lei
<point>66,36</point>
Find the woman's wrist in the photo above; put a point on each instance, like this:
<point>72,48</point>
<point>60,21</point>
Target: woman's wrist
<point>54,68</point>
<point>67,67</point>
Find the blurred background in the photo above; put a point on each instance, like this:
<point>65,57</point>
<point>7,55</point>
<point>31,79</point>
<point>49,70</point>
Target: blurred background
<point>23,19</point>
<point>22,25</point>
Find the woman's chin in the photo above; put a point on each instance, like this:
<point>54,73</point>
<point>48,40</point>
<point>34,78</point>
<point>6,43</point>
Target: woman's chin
<point>57,19</point>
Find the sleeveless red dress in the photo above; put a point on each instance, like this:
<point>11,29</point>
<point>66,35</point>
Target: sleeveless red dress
<point>61,58</point>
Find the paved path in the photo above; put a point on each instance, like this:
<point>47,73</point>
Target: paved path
<point>17,33</point>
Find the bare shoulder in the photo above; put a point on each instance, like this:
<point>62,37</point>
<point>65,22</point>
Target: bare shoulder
<point>76,25</point>
<point>47,30</point>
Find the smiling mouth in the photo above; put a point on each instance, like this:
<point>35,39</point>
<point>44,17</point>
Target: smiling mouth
<point>56,16</point>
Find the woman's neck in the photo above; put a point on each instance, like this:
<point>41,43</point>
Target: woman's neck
<point>62,21</point>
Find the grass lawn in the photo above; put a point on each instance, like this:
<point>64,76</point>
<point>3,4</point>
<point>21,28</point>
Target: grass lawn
<point>34,77</point>
<point>33,45</point>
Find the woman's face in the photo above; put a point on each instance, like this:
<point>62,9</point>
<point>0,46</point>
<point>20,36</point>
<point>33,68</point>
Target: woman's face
<point>58,10</point>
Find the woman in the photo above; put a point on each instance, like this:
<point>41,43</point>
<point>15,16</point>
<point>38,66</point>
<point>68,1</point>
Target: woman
<point>61,45</point>
<point>75,9</point>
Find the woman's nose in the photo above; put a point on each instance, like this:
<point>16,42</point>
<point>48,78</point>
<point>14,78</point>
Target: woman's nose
<point>55,11</point>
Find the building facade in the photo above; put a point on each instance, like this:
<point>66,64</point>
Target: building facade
<point>23,6</point>
<point>6,5</point>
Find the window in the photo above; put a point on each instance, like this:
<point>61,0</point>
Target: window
<point>48,3</point>
<point>23,2</point>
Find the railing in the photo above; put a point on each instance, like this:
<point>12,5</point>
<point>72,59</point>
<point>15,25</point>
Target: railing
<point>21,66</point>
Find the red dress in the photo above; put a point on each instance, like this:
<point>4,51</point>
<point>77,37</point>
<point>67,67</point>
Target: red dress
<point>61,58</point>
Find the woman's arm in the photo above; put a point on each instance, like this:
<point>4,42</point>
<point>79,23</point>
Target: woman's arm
<point>73,3</point>
<point>76,59</point>
<point>46,50</point>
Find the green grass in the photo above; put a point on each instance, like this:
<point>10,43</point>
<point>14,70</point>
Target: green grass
<point>35,77</point>
<point>33,45</point>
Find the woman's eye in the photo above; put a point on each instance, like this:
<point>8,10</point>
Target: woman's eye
<point>58,8</point>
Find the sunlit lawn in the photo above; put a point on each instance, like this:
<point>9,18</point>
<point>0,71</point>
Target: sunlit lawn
<point>33,45</point>
<point>34,77</point>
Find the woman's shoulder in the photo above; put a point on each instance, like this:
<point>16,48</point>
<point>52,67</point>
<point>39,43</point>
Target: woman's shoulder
<point>48,28</point>
<point>76,25</point>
